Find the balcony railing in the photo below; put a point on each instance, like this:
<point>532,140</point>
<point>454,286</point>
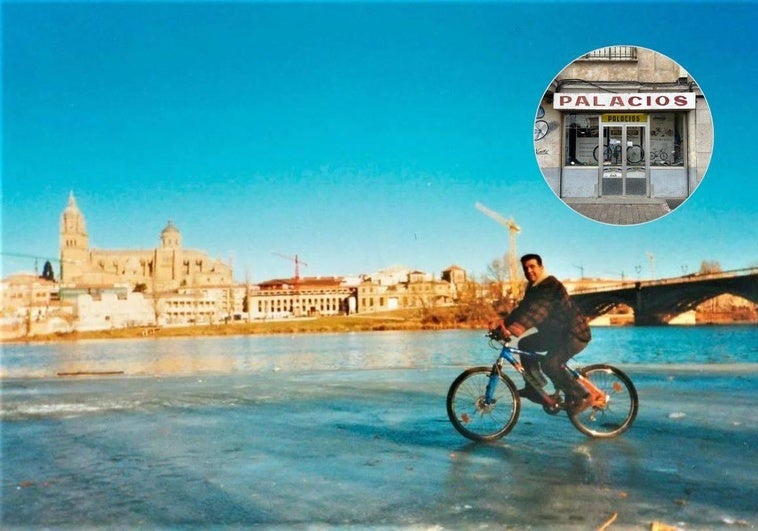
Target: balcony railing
<point>612,53</point>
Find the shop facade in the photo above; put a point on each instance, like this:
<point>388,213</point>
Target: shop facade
<point>623,122</point>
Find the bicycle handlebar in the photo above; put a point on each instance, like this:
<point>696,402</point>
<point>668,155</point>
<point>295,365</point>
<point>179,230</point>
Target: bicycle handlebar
<point>499,334</point>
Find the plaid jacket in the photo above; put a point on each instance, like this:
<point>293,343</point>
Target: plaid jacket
<point>548,307</point>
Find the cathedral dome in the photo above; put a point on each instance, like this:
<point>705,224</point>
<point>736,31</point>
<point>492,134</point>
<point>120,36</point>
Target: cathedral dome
<point>170,229</point>
<point>170,236</point>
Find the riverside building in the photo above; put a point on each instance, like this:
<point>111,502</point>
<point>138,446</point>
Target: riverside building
<point>623,123</point>
<point>181,286</point>
<point>300,297</point>
<point>391,289</point>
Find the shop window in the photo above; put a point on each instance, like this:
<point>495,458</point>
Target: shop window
<point>665,131</point>
<point>581,140</point>
<point>666,134</point>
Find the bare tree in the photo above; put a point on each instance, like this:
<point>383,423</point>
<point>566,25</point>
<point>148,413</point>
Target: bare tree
<point>710,266</point>
<point>497,274</point>
<point>474,306</point>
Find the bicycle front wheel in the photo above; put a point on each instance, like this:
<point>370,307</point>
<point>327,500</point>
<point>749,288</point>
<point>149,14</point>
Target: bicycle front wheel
<point>471,416</point>
<point>619,409</point>
<point>634,154</point>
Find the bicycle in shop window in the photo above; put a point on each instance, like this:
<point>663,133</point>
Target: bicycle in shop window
<point>612,154</point>
<point>664,157</point>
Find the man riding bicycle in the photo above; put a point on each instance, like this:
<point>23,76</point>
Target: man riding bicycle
<point>562,331</point>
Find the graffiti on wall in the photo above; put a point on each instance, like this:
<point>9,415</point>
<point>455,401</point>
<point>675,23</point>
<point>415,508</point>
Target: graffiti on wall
<point>542,128</point>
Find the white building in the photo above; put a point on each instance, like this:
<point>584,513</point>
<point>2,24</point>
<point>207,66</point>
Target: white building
<point>190,307</point>
<point>110,310</point>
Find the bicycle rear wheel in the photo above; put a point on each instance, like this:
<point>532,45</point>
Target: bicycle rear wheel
<point>470,415</point>
<point>618,412</point>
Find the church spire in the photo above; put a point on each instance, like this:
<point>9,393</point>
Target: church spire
<point>74,242</point>
<point>72,221</point>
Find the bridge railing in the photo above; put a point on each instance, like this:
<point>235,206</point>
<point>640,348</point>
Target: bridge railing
<point>692,277</point>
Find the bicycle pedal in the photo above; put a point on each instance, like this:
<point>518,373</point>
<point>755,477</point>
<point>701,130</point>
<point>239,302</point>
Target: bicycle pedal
<point>550,401</point>
<point>552,409</point>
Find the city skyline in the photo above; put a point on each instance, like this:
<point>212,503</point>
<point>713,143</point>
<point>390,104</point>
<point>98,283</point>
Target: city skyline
<point>640,273</point>
<point>357,136</point>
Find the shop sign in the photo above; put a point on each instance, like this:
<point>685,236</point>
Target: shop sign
<point>624,102</point>
<point>625,118</point>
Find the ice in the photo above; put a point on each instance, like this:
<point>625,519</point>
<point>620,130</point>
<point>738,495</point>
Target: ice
<point>366,445</point>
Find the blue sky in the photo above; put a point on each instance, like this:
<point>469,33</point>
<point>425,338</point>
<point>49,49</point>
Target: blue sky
<point>355,135</point>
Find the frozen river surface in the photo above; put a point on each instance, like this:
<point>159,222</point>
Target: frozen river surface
<point>358,437</point>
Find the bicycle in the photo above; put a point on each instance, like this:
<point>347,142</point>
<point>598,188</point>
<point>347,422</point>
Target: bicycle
<point>483,403</point>
<point>634,154</point>
<point>661,157</point>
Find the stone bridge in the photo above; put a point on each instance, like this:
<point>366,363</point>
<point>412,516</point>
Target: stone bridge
<point>657,301</point>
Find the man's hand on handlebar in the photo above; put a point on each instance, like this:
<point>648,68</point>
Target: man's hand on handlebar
<point>498,331</point>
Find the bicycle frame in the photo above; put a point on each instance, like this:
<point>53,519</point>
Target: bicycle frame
<point>551,402</point>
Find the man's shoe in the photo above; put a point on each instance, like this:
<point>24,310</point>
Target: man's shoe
<point>530,393</point>
<point>577,405</point>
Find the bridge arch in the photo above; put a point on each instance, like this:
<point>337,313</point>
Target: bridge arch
<point>657,302</point>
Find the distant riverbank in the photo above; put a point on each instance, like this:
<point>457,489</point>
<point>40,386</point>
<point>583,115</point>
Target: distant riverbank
<point>330,324</point>
<point>402,320</point>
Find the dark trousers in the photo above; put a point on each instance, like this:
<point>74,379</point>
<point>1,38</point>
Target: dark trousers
<point>553,364</point>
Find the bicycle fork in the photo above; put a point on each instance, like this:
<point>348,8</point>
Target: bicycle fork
<point>489,392</point>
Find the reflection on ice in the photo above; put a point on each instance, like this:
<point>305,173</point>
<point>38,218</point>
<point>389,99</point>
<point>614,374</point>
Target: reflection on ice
<point>720,347</point>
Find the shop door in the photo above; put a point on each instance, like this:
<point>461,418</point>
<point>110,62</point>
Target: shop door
<point>635,182</point>
<point>624,169</point>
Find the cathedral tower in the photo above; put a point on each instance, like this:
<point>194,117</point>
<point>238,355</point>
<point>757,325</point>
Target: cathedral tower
<point>74,242</point>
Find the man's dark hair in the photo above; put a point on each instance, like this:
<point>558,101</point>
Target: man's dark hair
<point>531,256</point>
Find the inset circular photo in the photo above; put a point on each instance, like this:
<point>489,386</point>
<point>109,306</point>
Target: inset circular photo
<point>623,135</point>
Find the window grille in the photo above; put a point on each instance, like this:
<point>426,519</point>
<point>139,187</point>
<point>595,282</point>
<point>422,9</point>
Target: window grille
<point>613,53</point>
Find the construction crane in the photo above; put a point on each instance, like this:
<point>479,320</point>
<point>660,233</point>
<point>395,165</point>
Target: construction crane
<point>298,263</point>
<point>510,257</point>
<point>296,307</point>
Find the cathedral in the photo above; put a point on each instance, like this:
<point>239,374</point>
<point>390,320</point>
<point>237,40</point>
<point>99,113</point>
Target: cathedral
<point>165,268</point>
